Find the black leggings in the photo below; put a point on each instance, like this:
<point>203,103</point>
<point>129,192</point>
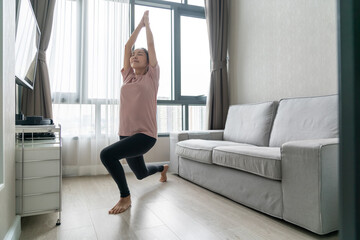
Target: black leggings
<point>132,148</point>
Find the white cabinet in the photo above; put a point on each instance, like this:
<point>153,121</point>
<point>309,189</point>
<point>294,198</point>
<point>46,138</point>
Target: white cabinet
<point>38,169</point>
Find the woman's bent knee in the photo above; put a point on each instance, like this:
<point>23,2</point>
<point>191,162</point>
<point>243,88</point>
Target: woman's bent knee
<point>140,176</point>
<point>104,156</point>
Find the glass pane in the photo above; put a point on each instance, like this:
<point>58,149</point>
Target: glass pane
<point>195,57</point>
<point>63,48</point>
<point>160,23</point>
<point>110,118</point>
<point>81,122</point>
<point>169,118</point>
<point>197,118</point>
<point>106,30</point>
<point>199,3</point>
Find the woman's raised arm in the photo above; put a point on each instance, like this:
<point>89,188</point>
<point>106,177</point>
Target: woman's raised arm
<point>150,40</point>
<point>129,44</point>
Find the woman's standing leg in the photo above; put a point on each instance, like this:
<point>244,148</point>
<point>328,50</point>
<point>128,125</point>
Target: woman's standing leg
<point>134,146</point>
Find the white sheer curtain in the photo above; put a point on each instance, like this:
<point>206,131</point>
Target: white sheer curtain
<point>85,56</point>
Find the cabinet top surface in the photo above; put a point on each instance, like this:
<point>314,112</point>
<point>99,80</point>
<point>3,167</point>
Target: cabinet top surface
<point>37,128</point>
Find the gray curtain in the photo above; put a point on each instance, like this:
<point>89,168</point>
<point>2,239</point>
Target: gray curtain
<point>216,12</point>
<point>37,102</point>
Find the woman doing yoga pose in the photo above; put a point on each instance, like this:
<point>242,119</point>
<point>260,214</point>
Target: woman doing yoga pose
<point>138,128</point>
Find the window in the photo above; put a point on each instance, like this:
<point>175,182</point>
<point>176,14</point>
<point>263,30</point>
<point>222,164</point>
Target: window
<point>195,57</point>
<point>102,33</point>
<point>84,31</point>
<point>68,33</point>
<point>182,48</point>
<point>169,118</point>
<point>197,117</point>
<point>84,60</point>
<point>82,34</point>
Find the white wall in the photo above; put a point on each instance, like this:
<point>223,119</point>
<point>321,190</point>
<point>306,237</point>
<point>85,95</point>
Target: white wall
<point>281,48</point>
<point>7,106</point>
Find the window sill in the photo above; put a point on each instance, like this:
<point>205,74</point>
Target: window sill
<point>163,135</point>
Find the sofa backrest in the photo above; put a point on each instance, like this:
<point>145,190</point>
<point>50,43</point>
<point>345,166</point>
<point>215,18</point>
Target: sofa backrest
<point>250,123</point>
<point>304,119</point>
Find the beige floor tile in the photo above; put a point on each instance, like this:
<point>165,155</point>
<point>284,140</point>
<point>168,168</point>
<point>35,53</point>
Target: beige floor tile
<point>75,220</point>
<point>182,224</point>
<point>156,233</point>
<point>39,227</point>
<point>73,203</point>
<point>140,217</point>
<point>82,233</point>
<point>110,227</point>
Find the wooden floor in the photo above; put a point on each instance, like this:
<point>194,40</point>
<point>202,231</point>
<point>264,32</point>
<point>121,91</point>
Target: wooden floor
<point>177,209</point>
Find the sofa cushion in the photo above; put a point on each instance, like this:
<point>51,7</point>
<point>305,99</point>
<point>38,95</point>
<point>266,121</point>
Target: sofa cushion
<point>250,123</point>
<point>305,119</point>
<point>263,161</point>
<point>200,150</point>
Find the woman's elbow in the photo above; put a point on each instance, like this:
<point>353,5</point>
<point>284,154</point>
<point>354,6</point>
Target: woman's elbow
<point>127,47</point>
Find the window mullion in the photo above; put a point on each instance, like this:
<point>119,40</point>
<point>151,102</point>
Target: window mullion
<point>98,119</point>
<point>172,95</point>
<point>132,16</point>
<point>185,114</point>
<point>82,54</point>
<point>177,57</point>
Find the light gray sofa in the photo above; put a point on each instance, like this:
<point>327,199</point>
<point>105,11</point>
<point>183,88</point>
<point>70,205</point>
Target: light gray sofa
<point>280,158</point>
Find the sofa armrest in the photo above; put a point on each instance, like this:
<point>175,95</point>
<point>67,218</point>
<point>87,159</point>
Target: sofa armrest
<point>176,137</point>
<point>310,183</point>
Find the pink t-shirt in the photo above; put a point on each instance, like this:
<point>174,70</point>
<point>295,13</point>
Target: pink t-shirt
<point>138,99</point>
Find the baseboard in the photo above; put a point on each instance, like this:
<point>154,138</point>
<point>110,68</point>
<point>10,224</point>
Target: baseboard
<point>75,171</point>
<point>15,230</point>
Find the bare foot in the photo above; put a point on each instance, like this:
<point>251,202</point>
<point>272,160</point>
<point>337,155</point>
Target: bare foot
<point>163,173</point>
<point>121,206</point>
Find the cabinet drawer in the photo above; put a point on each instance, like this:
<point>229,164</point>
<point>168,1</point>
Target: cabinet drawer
<point>43,202</point>
<point>38,185</point>
<point>38,169</point>
<point>33,154</point>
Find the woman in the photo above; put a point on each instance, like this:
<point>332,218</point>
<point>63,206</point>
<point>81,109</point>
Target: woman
<point>138,129</point>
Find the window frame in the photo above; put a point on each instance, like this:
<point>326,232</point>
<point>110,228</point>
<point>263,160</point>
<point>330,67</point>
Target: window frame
<point>178,10</point>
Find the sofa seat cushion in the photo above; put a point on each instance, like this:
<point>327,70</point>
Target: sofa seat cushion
<point>263,161</point>
<point>200,150</point>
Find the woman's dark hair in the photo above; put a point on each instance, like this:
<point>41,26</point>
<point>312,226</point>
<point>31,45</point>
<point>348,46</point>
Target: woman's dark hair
<point>147,54</point>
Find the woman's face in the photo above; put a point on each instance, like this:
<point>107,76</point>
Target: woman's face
<point>138,59</point>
